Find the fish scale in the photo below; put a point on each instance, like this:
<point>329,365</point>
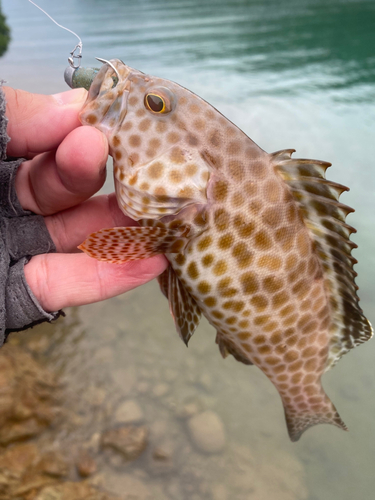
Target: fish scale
<point>257,242</point>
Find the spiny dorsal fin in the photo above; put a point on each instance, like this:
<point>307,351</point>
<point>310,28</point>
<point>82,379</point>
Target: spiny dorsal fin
<point>325,216</point>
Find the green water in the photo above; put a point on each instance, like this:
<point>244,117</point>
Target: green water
<point>292,74</point>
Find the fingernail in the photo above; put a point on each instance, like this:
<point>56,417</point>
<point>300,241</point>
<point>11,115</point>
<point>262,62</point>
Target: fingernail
<point>71,97</point>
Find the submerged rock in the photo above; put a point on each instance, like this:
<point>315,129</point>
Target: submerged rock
<point>207,432</point>
<point>24,470</point>
<point>28,396</point>
<point>129,441</point>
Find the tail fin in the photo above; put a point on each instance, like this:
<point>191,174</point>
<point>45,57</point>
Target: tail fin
<point>298,421</point>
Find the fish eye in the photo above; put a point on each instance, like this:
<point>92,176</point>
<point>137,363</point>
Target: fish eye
<point>159,101</point>
<point>155,103</point>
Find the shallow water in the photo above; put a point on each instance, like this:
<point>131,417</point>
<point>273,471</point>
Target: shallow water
<point>298,75</point>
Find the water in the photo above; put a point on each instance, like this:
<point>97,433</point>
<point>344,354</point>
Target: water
<point>295,74</point>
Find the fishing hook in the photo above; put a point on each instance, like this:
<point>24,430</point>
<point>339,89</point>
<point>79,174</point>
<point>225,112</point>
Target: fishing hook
<point>110,64</point>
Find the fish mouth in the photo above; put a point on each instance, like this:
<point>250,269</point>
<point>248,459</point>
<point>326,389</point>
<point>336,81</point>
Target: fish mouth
<point>107,100</point>
<point>112,75</point>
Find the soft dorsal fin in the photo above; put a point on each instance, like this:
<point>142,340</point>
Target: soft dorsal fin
<point>324,216</point>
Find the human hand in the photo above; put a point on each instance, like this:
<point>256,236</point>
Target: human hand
<point>65,166</point>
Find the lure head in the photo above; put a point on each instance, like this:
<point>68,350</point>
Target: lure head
<point>165,140</point>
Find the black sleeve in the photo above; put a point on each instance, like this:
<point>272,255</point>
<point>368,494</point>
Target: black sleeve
<point>22,235</point>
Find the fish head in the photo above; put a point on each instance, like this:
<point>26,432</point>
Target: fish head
<point>157,134</point>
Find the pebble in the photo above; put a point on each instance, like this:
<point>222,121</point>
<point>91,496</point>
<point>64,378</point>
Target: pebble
<point>160,459</point>
<point>129,412</point>
<point>86,465</point>
<point>207,432</point>
<point>187,411</point>
<point>160,390</point>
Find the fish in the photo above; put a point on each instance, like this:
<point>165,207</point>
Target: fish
<point>256,242</point>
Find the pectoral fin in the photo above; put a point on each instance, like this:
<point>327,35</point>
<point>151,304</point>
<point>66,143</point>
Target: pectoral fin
<point>119,244</point>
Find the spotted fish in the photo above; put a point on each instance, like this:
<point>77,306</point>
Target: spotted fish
<point>257,242</point>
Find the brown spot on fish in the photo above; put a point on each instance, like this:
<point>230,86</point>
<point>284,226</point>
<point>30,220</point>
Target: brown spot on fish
<point>144,125</point>
<point>204,243</point>
<point>180,259</point>
<point>134,141</point>
<point>192,140</point>
<point>186,192</point>
<point>220,190</point>
<point>220,268</point>
<point>155,170</point>
<point>133,100</point>
<point>191,169</point>
<point>173,137</point>
<point>204,287</point>
<point>210,301</point>
<point>177,246</point>
<point>242,254</point>
<point>154,144</point>
<point>225,241</point>
<point>207,260</point>
<point>237,200</point>
<point>199,124</point>
<point>133,179</point>
<point>221,219</point>
<point>161,127</point>
<point>234,148</point>
<point>249,283</point>
<point>243,228</point>
<point>116,141</point>
<point>260,302</point>
<point>175,176</point>
<point>270,262</point>
<point>194,108</point>
<point>192,270</point>
<point>262,240</point>
<point>177,155</point>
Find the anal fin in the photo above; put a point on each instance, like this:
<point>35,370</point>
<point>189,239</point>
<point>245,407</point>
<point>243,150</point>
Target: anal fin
<point>227,347</point>
<point>120,244</point>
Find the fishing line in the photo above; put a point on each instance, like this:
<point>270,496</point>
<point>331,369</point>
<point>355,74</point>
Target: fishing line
<point>78,47</point>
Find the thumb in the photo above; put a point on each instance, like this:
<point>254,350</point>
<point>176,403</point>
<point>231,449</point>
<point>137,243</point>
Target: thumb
<point>38,123</point>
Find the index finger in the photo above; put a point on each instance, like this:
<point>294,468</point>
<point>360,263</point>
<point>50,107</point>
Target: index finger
<point>38,123</point>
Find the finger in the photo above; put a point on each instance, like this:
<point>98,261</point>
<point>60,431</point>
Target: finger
<point>51,182</point>
<point>38,123</point>
<point>63,280</point>
<point>70,228</point>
